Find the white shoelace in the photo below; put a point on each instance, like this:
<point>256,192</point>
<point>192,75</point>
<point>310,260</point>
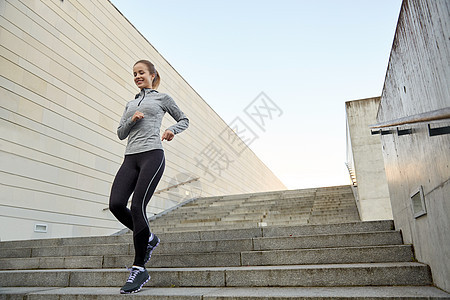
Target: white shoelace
<point>133,273</point>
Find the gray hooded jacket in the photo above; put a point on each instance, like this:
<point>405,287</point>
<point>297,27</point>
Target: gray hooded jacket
<point>144,134</point>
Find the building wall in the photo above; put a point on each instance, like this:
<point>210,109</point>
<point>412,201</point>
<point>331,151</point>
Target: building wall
<point>372,189</point>
<point>418,81</point>
<point>66,75</point>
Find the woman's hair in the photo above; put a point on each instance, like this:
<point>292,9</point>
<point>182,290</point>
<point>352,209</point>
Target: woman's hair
<point>151,68</point>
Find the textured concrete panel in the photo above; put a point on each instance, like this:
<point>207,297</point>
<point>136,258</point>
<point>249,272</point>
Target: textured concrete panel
<point>367,158</point>
<point>418,82</point>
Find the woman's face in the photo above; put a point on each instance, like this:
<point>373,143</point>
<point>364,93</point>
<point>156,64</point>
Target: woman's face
<point>142,76</point>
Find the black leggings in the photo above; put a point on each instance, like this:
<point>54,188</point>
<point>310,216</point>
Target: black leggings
<point>139,173</point>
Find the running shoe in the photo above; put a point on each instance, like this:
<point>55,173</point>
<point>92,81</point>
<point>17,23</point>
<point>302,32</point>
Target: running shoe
<point>138,277</point>
<point>150,247</point>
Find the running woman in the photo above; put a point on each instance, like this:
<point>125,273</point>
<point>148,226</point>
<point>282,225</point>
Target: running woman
<point>143,164</point>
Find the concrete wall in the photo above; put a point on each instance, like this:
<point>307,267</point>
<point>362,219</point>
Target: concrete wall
<point>372,189</point>
<point>65,77</point>
<point>418,81</point>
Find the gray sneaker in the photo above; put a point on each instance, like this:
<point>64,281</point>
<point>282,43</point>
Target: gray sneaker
<point>150,247</point>
<point>135,281</point>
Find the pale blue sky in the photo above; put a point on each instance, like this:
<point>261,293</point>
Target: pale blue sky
<point>309,57</point>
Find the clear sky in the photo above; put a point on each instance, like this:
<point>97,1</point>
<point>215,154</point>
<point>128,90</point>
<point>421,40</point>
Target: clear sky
<point>308,56</point>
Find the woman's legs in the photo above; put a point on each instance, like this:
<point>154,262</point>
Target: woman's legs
<point>139,173</point>
<point>152,164</point>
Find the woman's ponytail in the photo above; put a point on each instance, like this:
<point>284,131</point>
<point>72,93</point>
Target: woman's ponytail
<point>156,80</point>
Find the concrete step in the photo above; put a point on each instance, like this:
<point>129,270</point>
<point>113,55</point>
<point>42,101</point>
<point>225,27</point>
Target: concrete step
<point>269,222</point>
<point>287,213</point>
<point>313,221</point>
<point>179,213</point>
<point>275,205</point>
<point>333,194</point>
<point>258,208</point>
<point>225,203</point>
<point>327,216</point>
<point>286,217</point>
<point>334,198</point>
<point>262,198</point>
<point>332,219</point>
<point>73,250</point>
<point>204,219</point>
<point>277,200</point>
<point>349,227</point>
<point>279,219</point>
<point>55,242</point>
<point>334,205</point>
<point>255,217</point>
<point>230,293</point>
<point>67,262</point>
<point>333,212</point>
<point>197,210</point>
<point>292,209</point>
<point>318,213</point>
<point>328,240</point>
<point>402,253</point>
<point>341,255</point>
<point>366,274</point>
<point>281,201</point>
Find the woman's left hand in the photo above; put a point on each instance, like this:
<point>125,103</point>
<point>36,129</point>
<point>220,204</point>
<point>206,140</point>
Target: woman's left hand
<point>167,135</point>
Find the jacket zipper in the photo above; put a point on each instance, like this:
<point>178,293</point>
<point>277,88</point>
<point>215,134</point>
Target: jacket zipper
<point>143,95</point>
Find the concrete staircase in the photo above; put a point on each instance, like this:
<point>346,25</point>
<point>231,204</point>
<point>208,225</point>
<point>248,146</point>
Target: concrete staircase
<point>305,244</point>
<point>280,208</point>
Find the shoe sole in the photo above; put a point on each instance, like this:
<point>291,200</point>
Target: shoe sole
<point>135,291</point>
<point>150,254</point>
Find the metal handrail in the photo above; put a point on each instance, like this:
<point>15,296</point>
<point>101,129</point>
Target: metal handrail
<point>435,115</point>
<point>175,185</point>
<point>168,188</point>
<point>352,174</point>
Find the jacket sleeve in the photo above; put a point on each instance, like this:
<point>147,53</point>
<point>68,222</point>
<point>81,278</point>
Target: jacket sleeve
<point>125,125</point>
<point>182,121</point>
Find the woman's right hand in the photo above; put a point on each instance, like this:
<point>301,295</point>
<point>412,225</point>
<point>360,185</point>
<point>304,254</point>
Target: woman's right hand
<point>137,116</point>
